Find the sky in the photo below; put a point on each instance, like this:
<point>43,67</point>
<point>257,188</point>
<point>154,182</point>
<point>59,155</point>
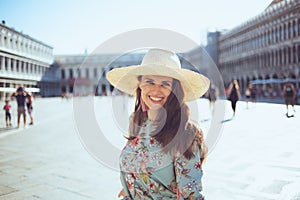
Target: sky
<point>79,26</point>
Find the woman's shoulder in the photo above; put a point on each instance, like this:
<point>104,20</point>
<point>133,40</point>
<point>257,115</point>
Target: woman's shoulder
<point>192,125</point>
<point>198,144</point>
<point>194,128</point>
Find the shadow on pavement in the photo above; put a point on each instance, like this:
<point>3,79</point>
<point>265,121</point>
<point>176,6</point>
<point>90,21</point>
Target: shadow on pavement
<point>204,120</point>
<point>7,129</point>
<point>226,120</point>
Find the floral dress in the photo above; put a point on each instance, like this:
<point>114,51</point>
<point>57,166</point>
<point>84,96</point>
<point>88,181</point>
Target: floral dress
<point>149,173</point>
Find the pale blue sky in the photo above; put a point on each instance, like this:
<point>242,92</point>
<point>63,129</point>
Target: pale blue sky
<point>71,26</point>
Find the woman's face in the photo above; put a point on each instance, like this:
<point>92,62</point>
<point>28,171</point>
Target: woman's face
<point>155,89</point>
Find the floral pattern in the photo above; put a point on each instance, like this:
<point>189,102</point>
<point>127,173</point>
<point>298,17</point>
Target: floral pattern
<point>148,173</point>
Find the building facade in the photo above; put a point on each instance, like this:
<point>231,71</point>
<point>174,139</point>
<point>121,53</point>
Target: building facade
<point>266,47</point>
<point>23,60</point>
<point>83,75</point>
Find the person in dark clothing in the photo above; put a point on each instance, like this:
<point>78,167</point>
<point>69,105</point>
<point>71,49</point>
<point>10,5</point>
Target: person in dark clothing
<point>29,108</point>
<point>212,95</point>
<point>248,95</point>
<point>7,108</point>
<point>21,96</point>
<point>234,95</point>
<point>289,94</point>
<point>253,93</point>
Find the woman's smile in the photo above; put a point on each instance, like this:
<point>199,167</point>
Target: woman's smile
<point>155,89</point>
<point>156,99</point>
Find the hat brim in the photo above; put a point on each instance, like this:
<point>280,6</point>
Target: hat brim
<point>125,79</point>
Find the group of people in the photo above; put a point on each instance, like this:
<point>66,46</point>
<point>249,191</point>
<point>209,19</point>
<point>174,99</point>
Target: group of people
<point>233,95</point>
<point>24,100</point>
<point>289,94</point>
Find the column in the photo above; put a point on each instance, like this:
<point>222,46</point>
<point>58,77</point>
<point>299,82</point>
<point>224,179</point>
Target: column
<point>8,64</point>
<point>23,65</point>
<point>29,68</point>
<point>1,39</point>
<point>297,54</point>
<point>2,67</point>
<point>15,66</point>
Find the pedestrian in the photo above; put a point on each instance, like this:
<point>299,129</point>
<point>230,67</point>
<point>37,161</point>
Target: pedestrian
<point>212,95</point>
<point>29,107</point>
<point>7,108</point>
<point>248,95</point>
<point>21,96</point>
<point>289,95</point>
<point>234,95</point>
<point>163,156</point>
<point>253,92</point>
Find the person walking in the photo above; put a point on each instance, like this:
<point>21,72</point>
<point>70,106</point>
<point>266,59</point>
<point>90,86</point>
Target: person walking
<point>163,156</point>
<point>253,92</point>
<point>7,108</point>
<point>289,95</point>
<point>234,95</point>
<point>248,95</point>
<point>29,108</point>
<point>212,95</point>
<point>21,96</point>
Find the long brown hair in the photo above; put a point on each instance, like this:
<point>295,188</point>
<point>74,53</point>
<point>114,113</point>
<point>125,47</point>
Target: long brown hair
<point>177,133</point>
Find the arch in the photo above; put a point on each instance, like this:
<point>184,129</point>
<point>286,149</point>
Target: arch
<point>292,75</point>
<point>275,76</point>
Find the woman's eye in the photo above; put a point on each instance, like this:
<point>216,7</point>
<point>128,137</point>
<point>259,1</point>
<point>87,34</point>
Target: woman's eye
<point>165,84</point>
<point>150,82</point>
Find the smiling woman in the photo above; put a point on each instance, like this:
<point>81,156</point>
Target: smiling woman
<point>165,150</point>
<point>155,90</point>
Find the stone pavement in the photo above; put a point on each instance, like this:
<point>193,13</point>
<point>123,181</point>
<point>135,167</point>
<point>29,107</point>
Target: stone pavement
<point>47,160</point>
<point>256,158</point>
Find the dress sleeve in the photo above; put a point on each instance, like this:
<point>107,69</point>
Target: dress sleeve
<point>189,173</point>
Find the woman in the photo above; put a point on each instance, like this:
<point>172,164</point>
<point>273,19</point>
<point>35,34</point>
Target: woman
<point>213,94</point>
<point>165,150</point>
<point>29,108</point>
<point>234,95</point>
<point>7,109</point>
<point>248,95</point>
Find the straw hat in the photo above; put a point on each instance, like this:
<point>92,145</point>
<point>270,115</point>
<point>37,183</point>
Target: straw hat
<point>162,63</point>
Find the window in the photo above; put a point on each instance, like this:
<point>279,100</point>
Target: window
<point>63,73</point>
<point>71,73</point>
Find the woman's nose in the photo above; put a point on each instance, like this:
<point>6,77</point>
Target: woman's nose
<point>156,86</point>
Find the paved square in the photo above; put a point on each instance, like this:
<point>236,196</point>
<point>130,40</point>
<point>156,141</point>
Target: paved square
<point>257,156</point>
